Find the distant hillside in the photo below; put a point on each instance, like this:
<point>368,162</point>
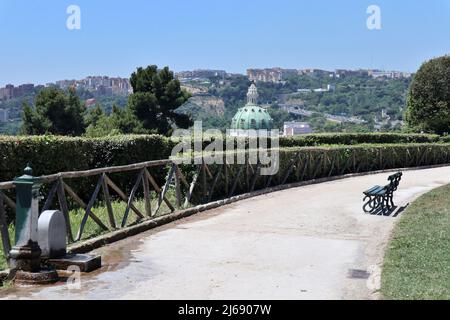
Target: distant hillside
<point>14,107</point>
<point>354,102</point>
<point>330,103</point>
<point>204,106</point>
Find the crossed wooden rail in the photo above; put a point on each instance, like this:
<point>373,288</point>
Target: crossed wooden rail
<point>202,183</point>
<point>185,192</point>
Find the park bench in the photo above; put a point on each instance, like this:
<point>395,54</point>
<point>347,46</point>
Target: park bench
<point>382,197</point>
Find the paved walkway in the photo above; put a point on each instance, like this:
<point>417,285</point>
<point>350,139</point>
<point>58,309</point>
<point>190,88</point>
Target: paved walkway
<point>311,242</point>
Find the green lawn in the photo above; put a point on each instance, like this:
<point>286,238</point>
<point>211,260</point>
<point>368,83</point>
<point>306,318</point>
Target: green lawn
<point>417,262</point>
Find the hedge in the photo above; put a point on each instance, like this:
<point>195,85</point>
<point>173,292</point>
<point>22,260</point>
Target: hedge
<point>356,138</point>
<point>445,139</point>
<point>308,163</point>
<point>330,139</point>
<point>50,154</point>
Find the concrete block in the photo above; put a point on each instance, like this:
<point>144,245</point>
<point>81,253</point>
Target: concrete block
<point>52,234</point>
<point>85,262</point>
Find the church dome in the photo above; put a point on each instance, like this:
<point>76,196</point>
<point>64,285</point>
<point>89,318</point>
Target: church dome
<point>252,116</point>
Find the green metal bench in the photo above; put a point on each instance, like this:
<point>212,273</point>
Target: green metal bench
<point>382,197</point>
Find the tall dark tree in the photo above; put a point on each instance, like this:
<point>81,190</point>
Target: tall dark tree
<point>429,97</point>
<point>120,121</point>
<point>94,115</point>
<point>55,112</point>
<point>125,122</point>
<point>156,96</point>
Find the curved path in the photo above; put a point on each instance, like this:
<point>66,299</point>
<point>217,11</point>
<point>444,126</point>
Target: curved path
<point>311,242</point>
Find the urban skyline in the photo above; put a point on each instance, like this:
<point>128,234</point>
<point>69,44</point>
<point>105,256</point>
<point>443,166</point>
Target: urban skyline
<point>101,85</point>
<point>116,37</point>
<point>185,73</point>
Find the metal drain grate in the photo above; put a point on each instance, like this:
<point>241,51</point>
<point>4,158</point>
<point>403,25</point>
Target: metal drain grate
<point>358,274</point>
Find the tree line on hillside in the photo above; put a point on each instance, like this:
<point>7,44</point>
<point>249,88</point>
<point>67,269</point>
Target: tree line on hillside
<point>150,109</point>
<point>157,96</point>
<point>355,95</point>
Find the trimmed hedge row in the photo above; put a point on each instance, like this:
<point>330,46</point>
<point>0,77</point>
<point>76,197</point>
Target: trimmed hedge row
<point>51,154</point>
<point>356,138</point>
<point>445,139</point>
<point>303,164</point>
<point>348,139</point>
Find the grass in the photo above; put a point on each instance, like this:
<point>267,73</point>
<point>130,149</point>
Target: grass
<point>3,264</point>
<point>92,229</point>
<point>417,262</point>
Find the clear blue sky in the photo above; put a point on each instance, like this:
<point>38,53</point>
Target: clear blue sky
<point>118,36</point>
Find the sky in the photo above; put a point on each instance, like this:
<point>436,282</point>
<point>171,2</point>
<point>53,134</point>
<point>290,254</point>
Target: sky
<point>116,37</point>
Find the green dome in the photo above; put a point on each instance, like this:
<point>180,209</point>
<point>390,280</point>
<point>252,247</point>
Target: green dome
<point>252,116</point>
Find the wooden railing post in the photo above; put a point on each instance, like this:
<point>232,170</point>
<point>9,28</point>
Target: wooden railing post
<point>147,198</point>
<point>204,187</point>
<point>226,172</point>
<point>64,209</point>
<point>177,186</point>
<point>89,208</point>
<point>131,197</point>
<point>191,187</point>
<point>107,197</point>
<point>162,195</point>
<point>6,242</point>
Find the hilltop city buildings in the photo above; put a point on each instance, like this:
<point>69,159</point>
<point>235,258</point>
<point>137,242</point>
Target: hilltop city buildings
<point>278,75</point>
<point>109,86</point>
<point>10,91</point>
<point>97,85</point>
<point>200,74</point>
<point>198,82</point>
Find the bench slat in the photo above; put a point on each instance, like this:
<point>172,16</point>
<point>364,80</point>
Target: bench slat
<point>372,190</point>
<point>383,191</point>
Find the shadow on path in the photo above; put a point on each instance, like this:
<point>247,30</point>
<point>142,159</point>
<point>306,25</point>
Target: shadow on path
<point>393,212</point>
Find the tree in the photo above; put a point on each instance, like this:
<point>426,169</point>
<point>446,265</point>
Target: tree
<point>74,112</point>
<point>429,97</point>
<point>121,121</point>
<point>54,112</point>
<point>32,122</point>
<point>126,122</point>
<point>94,115</point>
<point>156,96</point>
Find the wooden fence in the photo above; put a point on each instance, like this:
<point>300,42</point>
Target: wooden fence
<point>189,185</point>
